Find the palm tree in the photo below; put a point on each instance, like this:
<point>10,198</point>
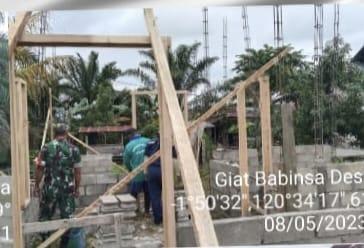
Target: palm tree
<point>187,74</point>
<point>81,79</point>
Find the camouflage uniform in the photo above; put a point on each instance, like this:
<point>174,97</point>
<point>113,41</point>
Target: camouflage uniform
<point>59,159</point>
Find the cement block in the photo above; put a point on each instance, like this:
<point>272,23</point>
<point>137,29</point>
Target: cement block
<point>109,200</point>
<point>88,180</point>
<point>230,232</point>
<point>107,178</point>
<point>95,189</point>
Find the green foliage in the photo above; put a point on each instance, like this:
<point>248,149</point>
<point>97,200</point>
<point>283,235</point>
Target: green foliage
<point>83,78</point>
<point>187,74</point>
<point>4,104</point>
<point>151,129</point>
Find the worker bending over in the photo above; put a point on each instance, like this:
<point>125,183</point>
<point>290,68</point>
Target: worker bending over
<point>133,157</point>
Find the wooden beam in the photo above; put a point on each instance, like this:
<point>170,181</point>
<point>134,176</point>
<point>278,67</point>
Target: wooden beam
<point>201,218</point>
<point>46,226</point>
<point>166,143</point>
<point>16,29</point>
<point>45,130</point>
<point>73,40</point>
<point>251,79</point>
<point>154,92</point>
<point>243,150</point>
<point>83,144</point>
<point>133,111</point>
<point>114,189</point>
<point>266,129</point>
<point>21,141</point>
<point>26,140</point>
<point>51,113</point>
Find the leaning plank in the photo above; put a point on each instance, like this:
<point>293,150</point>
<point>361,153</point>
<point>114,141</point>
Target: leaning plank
<point>133,111</point>
<point>113,190</point>
<point>46,226</point>
<point>154,92</point>
<point>201,218</point>
<point>251,79</point>
<point>46,128</point>
<point>83,144</point>
<point>166,143</point>
<point>72,40</point>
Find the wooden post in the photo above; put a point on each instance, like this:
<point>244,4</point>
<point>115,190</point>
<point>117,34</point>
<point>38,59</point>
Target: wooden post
<point>51,114</point>
<point>16,186</point>
<point>266,129</point>
<point>166,142</point>
<point>289,145</point>
<point>133,111</point>
<point>20,140</point>
<point>26,138</point>
<point>243,150</point>
<point>15,31</point>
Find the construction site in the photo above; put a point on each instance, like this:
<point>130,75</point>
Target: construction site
<point>269,155</point>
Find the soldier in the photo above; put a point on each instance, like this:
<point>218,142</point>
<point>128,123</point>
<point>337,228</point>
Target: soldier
<point>59,162</point>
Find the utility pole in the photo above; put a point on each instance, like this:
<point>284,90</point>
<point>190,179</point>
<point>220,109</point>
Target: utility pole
<point>224,49</point>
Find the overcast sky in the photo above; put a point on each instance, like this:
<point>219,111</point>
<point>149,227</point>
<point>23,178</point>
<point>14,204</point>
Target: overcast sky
<point>184,25</point>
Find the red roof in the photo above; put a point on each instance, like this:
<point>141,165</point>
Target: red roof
<point>106,129</point>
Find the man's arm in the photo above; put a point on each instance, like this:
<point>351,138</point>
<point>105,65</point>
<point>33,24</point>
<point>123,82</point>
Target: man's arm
<point>77,170</point>
<point>40,164</point>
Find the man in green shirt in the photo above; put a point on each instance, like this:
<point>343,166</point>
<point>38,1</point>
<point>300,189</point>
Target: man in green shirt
<point>133,157</point>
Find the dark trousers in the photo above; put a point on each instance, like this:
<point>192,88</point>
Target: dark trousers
<point>138,187</point>
<point>155,192</point>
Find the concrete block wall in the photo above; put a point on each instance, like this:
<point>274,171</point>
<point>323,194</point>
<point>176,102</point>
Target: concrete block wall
<point>252,231</point>
<point>226,161</point>
<point>97,177</point>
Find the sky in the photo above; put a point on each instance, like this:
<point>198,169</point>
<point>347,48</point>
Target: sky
<point>184,26</point>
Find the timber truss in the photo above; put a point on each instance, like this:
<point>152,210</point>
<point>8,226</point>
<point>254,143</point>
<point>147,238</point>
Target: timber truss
<point>173,129</point>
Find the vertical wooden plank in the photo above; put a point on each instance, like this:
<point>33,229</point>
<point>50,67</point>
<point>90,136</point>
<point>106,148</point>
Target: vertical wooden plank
<point>133,111</point>
<point>243,149</point>
<point>16,200</point>
<point>15,31</point>
<point>266,128</point>
<point>51,114</point>
<point>26,139</point>
<point>166,142</point>
<point>20,141</point>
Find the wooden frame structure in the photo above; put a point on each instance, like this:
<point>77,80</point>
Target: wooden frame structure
<point>174,130</point>
<point>136,93</point>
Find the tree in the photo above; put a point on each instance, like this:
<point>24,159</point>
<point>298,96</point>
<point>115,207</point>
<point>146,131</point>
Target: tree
<point>186,73</point>
<point>81,79</point>
<point>4,103</point>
